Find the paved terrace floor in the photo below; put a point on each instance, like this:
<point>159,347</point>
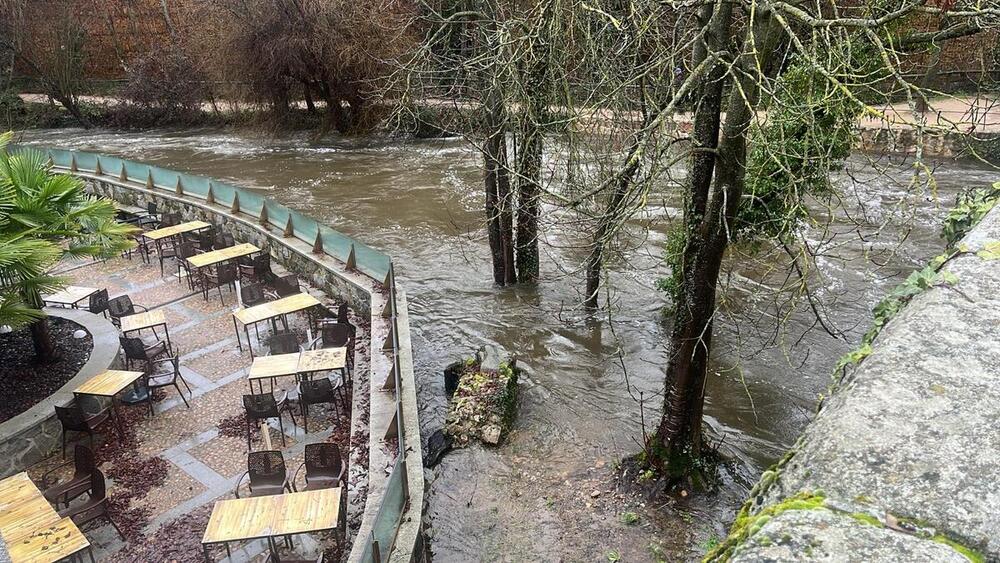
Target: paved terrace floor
<point>171,468</point>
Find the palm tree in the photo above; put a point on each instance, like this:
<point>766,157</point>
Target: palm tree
<point>45,217</point>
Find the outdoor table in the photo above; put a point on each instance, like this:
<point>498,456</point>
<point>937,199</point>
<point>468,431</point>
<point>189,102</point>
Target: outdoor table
<point>31,529</point>
<point>273,515</point>
<point>222,255</point>
<point>265,311</point>
<point>110,383</point>
<point>148,319</point>
<point>305,362</point>
<point>70,296</point>
<point>167,232</point>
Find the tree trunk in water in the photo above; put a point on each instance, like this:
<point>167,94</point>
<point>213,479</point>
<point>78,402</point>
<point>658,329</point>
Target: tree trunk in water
<point>678,439</point>
<point>499,219</point>
<point>607,225</point>
<point>41,339</point>
<point>529,171</point>
<point>69,102</point>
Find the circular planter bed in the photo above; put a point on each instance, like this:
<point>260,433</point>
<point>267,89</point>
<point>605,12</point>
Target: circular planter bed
<point>24,381</point>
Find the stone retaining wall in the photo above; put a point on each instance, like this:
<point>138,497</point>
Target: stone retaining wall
<point>36,433</point>
<point>901,463</point>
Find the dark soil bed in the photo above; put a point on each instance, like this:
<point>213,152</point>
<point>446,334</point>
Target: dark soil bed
<point>23,380</point>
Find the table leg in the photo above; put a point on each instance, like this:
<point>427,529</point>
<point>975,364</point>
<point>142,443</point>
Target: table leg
<point>236,328</point>
<point>204,548</point>
<point>118,417</point>
<point>90,551</point>
<point>249,344</point>
<point>167,332</point>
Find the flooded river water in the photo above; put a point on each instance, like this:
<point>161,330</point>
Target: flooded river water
<point>534,498</point>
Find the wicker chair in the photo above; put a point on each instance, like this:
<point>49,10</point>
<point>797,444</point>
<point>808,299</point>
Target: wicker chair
<point>267,473</point>
<point>137,351</point>
<point>223,274</point>
<point>286,285</point>
<point>257,269</point>
<point>283,343</point>
<point>62,492</point>
<point>319,391</point>
<point>324,467</point>
<point>164,373</point>
<point>224,240</point>
<point>99,302</point>
<point>337,335</point>
<point>72,419</point>
<point>122,306</point>
<point>252,294</point>
<point>95,507</point>
<point>264,406</point>
<point>186,250</point>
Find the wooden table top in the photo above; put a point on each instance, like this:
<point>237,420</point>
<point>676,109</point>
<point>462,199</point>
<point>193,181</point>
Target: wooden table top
<point>175,230</point>
<point>70,295</point>
<point>31,528</point>
<point>273,515</point>
<point>283,306</point>
<point>108,383</point>
<point>50,544</point>
<point>140,321</point>
<point>308,361</point>
<point>222,255</point>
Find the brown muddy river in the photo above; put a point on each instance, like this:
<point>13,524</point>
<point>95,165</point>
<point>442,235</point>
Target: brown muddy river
<point>531,500</point>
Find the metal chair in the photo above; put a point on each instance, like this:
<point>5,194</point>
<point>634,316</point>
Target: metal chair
<point>165,249</point>
<point>95,507</point>
<point>337,335</point>
<point>223,274</point>
<point>122,306</point>
<point>267,473</point>
<point>137,351</point>
<point>165,378</point>
<point>252,294</point>
<point>99,302</point>
<point>185,250</point>
<point>257,269</point>
<point>151,218</point>
<point>62,492</point>
<point>324,467</point>
<point>224,240</point>
<point>72,419</point>
<point>283,343</point>
<point>264,406</point>
<point>286,285</point>
<point>319,391</point>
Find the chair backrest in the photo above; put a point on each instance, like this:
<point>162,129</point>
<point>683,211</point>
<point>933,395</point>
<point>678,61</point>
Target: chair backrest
<point>121,306</point>
<point>262,262</point>
<point>287,285</point>
<point>323,460</point>
<point>99,301</point>
<point>151,208</point>
<point>227,273</point>
<point>336,335</point>
<point>260,406</point>
<point>170,219</point>
<point>313,391</point>
<point>224,240</point>
<point>283,343</point>
<point>135,348</point>
<point>98,490</point>
<point>342,313</point>
<point>83,461</point>
<point>186,250</point>
<point>266,467</point>
<point>251,294</point>
<point>71,417</point>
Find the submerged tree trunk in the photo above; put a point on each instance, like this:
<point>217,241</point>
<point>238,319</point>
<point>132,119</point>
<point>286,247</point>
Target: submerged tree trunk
<point>499,219</point>
<point>708,215</point>
<point>529,171</point>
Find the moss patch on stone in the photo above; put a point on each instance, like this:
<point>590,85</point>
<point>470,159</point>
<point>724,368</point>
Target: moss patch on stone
<point>484,404</point>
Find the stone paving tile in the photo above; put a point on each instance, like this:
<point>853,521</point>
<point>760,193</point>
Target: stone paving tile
<point>205,333</point>
<point>226,455</point>
<point>220,363</point>
<point>177,488</point>
<point>212,305</point>
<point>166,429</point>
<point>154,296</point>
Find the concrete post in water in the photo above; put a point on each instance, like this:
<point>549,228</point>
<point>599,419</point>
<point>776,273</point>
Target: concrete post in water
<point>289,230</point>
<point>236,203</point>
<point>318,243</point>
<point>97,167</point>
<point>210,196</point>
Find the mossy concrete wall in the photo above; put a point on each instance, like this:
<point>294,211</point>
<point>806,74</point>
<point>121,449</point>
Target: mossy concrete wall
<point>907,451</point>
